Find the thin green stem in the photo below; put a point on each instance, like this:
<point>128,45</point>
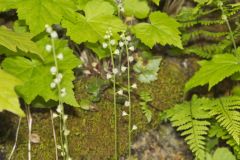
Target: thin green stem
<point>130,106</point>
<point>115,105</point>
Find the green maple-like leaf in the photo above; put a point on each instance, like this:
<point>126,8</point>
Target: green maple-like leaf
<point>214,71</point>
<point>12,42</point>
<point>93,26</point>
<point>137,8</point>
<point>8,97</point>
<point>37,77</point>
<point>162,29</point>
<point>37,13</point>
<point>147,72</point>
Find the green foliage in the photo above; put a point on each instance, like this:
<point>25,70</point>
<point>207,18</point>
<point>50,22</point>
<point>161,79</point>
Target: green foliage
<point>137,8</point>
<point>214,71</point>
<point>8,97</point>
<point>162,29</point>
<point>226,112</point>
<point>93,26</point>
<point>11,42</point>
<point>157,2</point>
<point>145,99</point>
<point>191,120</point>
<point>38,13</point>
<point>147,72</point>
<point>36,74</point>
<point>221,153</point>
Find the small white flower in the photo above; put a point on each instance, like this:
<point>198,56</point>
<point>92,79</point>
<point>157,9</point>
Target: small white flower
<point>55,115</point>
<point>66,132</point>
<point>127,104</point>
<point>106,36</point>
<point>115,71</point>
<point>112,42</point>
<point>134,86</point>
<point>59,147</point>
<point>131,48</point>
<point>130,58</point>
<point>117,52</point>
<point>120,92</point>
<point>134,127</point>
<point>122,9</point>
<point>121,43</point>
<point>123,68</point>
<point>49,29</point>
<point>57,80</point>
<point>128,38</point>
<point>122,36</point>
<point>54,34</point>
<point>94,64</point>
<point>59,108</point>
<point>60,56</point>
<point>104,45</point>
<point>63,92</point>
<point>109,76</point>
<point>53,85</point>
<point>69,158</point>
<point>53,70</point>
<point>48,48</point>
<point>87,72</point>
<point>59,76</point>
<point>124,113</point>
<point>65,117</point>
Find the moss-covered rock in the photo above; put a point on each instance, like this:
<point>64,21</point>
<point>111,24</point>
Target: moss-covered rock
<point>92,132</point>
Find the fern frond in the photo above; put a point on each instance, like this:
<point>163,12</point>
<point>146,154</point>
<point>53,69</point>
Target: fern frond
<point>226,112</point>
<point>218,131</point>
<point>191,120</point>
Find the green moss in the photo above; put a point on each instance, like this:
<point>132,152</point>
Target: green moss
<point>92,132</point>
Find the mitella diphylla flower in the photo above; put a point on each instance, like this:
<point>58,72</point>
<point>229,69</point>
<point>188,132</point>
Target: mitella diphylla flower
<point>127,104</point>
<point>60,56</point>
<point>134,127</point>
<point>134,86</point>
<point>124,113</point>
<point>48,48</point>
<point>120,92</point>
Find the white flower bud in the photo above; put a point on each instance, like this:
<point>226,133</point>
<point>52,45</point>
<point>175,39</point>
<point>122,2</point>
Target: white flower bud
<point>104,45</point>
<point>124,113</point>
<point>134,86</point>
<point>130,58</point>
<point>53,70</point>
<point>87,72</point>
<point>109,76</point>
<point>128,38</point>
<point>48,48</point>
<point>63,92</point>
<point>65,117</point>
<point>134,127</point>
<point>117,52</point>
<point>53,85</point>
<point>131,48</point>
<point>59,76</point>
<point>49,29</point>
<point>94,64</point>
<point>121,43</point>
<point>57,80</point>
<point>123,68</point>
<point>60,56</point>
<point>127,104</point>
<point>54,34</point>
<point>112,42</point>
<point>120,92</point>
<point>122,9</point>
<point>66,132</point>
<point>115,71</point>
<point>55,115</point>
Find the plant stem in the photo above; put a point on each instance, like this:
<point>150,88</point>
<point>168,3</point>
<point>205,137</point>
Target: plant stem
<point>63,128</point>
<point>115,105</point>
<point>16,138</point>
<point>130,106</point>
<point>54,135</point>
<point>29,119</point>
